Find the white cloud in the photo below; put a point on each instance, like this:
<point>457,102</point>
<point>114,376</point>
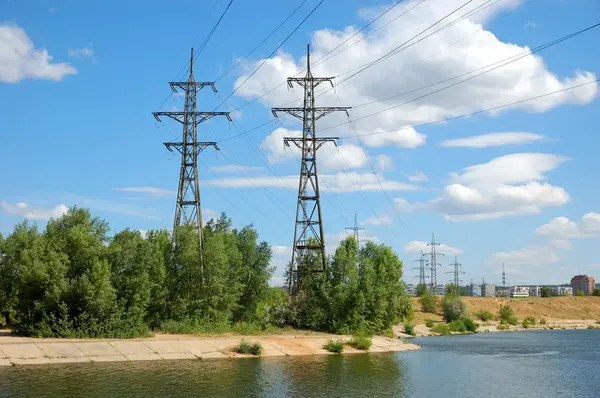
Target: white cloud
<point>281,250</point>
<point>384,219</point>
<point>560,229</point>
<point>24,210</point>
<point>81,52</point>
<point>439,57</point>
<point>149,191</point>
<point>404,206</point>
<point>384,162</point>
<point>530,24</point>
<point>506,186</point>
<point>416,246</point>
<point>207,214</point>
<point>530,255</point>
<point>492,140</point>
<point>20,60</point>
<point>406,137</point>
<point>234,168</point>
<point>419,176</point>
<point>339,182</point>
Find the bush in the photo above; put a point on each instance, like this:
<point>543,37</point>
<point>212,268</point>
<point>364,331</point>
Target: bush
<point>335,346</point>
<point>542,321</point>
<point>454,308</point>
<point>410,329</point>
<point>597,292</point>
<point>502,326</point>
<point>360,342</point>
<point>579,293</point>
<point>428,303</point>
<point>484,315</point>
<point>421,289</point>
<point>470,325</point>
<point>440,328</point>
<point>458,326</point>
<point>591,327</point>
<point>526,323</point>
<point>531,320</point>
<point>506,315</point>
<point>389,332</point>
<point>249,347</point>
<point>429,323</point>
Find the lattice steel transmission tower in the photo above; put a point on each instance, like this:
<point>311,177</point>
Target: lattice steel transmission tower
<point>457,272</point>
<point>433,263</point>
<point>355,229</point>
<point>188,210</point>
<point>422,268</point>
<point>308,232</point>
<point>503,277</point>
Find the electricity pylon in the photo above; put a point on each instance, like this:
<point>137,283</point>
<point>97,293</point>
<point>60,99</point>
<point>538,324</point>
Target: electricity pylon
<point>433,264</point>
<point>308,231</point>
<point>355,230</point>
<point>188,210</point>
<point>422,268</point>
<point>456,271</point>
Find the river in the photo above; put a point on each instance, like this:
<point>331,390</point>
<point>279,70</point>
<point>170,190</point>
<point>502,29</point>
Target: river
<point>563,363</point>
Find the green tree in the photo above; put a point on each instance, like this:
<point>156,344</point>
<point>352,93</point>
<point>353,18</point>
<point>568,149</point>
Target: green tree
<point>428,303</point>
<point>546,291</point>
<point>453,308</point>
<point>597,292</point>
<point>579,293</point>
<point>452,290</point>
<point>421,289</point>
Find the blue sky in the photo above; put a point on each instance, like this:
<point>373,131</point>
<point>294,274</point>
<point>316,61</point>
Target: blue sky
<point>79,81</point>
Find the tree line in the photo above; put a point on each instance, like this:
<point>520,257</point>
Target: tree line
<point>74,280</point>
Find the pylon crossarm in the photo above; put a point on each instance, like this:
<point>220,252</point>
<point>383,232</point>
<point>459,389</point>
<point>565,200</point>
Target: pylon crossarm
<point>200,116</point>
<point>298,112</point>
<point>199,145</point>
<point>197,85</point>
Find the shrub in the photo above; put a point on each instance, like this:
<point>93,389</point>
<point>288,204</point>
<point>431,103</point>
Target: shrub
<point>506,315</point>
<point>335,346</point>
<point>429,323</point>
<point>502,326</point>
<point>470,325</point>
<point>531,320</point>
<point>542,321</point>
<point>360,342</point>
<point>440,328</point>
<point>596,292</point>
<point>428,303</point>
<point>454,308</point>
<point>410,329</point>
<point>484,315</point>
<point>421,289</point>
<point>249,347</point>
<point>526,323</point>
<point>389,332</point>
<point>591,327</point>
<point>457,325</point>
<point>579,293</point>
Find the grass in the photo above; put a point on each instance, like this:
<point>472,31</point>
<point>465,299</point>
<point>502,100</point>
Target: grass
<point>409,328</point>
<point>249,347</point>
<point>429,323</point>
<point>389,333</point>
<point>195,327</point>
<point>360,342</point>
<point>440,328</point>
<point>458,326</point>
<point>335,346</point>
<point>484,315</point>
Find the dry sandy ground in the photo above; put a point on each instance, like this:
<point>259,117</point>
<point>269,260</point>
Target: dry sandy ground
<point>29,351</point>
<point>559,313</point>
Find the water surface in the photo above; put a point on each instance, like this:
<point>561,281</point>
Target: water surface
<point>525,364</point>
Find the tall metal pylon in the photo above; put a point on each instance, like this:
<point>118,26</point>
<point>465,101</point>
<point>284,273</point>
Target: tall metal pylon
<point>456,271</point>
<point>433,263</point>
<point>308,231</point>
<point>188,210</point>
<point>422,268</point>
<point>503,276</point>
<point>355,229</point>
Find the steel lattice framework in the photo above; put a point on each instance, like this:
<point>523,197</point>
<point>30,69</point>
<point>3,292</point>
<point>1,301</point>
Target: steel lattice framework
<point>308,231</point>
<point>433,264</point>
<point>422,268</point>
<point>456,272</point>
<point>355,230</point>
<point>188,210</point>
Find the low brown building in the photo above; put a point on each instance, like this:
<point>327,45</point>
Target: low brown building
<point>584,283</point>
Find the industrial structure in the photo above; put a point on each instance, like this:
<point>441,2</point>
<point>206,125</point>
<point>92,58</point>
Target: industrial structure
<point>433,264</point>
<point>355,230</point>
<point>422,268</point>
<point>308,232</point>
<point>188,210</point>
<point>456,272</point>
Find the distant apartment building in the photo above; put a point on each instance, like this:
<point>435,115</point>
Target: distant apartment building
<point>488,290</point>
<point>501,291</point>
<point>584,283</point>
<point>519,291</point>
<point>535,291</point>
<point>562,290</point>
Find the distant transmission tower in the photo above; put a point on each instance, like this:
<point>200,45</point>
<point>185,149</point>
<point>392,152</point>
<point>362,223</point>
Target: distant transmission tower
<point>503,276</point>
<point>456,271</point>
<point>188,210</point>
<point>433,263</point>
<point>355,230</point>
<point>422,268</point>
<point>308,232</point>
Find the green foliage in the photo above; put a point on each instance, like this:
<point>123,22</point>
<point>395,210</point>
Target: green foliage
<point>579,293</point>
<point>428,303</point>
<point>249,347</point>
<point>389,332</point>
<point>409,329</point>
<point>546,291</point>
<point>335,346</point>
<point>429,323</point>
<point>505,313</point>
<point>462,290</point>
<point>362,290</point>
<point>484,315</point>
<point>470,325</point>
<point>360,342</point>
<point>526,323</point>
<point>596,292</point>
<point>421,289</point>
<point>591,327</point>
<point>531,320</point>
<point>452,290</point>
<point>453,307</point>
<point>441,328</point>
<point>502,326</point>
<point>458,326</point>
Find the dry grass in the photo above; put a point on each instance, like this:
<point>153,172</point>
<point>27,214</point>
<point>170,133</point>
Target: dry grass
<point>537,307</point>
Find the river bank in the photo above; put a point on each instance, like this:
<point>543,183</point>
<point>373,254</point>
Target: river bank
<point>35,351</point>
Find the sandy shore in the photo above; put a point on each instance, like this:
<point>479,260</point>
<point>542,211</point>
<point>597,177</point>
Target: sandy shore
<point>29,351</point>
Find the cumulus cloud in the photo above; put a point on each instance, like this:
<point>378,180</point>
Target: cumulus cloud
<point>530,255</point>
<point>81,52</point>
<point>560,230</point>
<point>234,168</point>
<point>149,191</point>
<point>492,140</point>
<point>281,250</point>
<point>19,59</point>
<point>416,246</point>
<point>376,221</point>
<point>419,176</point>
<point>29,212</point>
<point>384,162</point>
<point>437,58</point>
